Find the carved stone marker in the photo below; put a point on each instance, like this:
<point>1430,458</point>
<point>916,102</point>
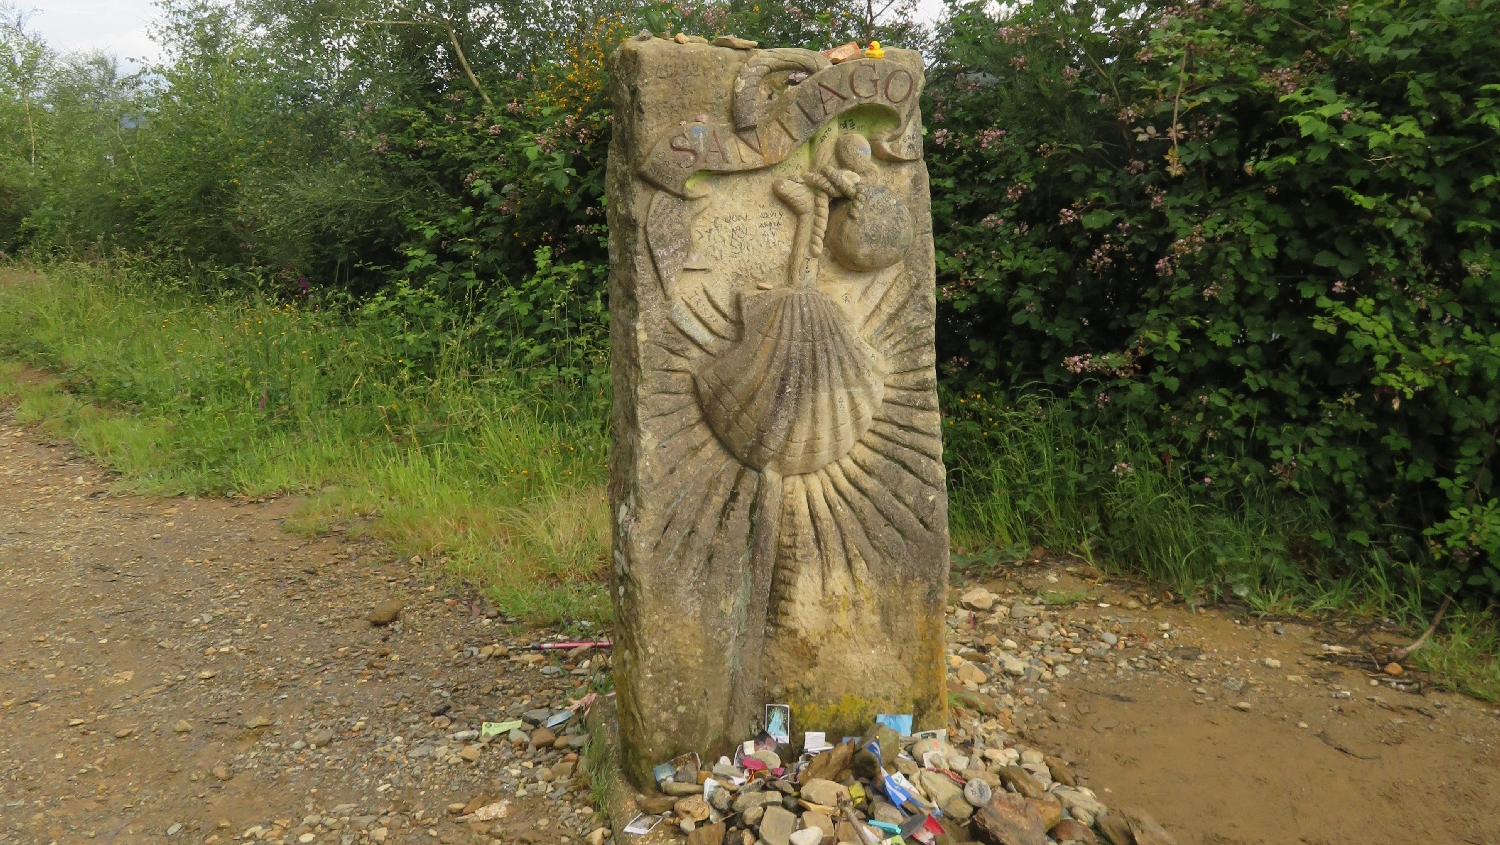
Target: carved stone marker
<point>776,481</point>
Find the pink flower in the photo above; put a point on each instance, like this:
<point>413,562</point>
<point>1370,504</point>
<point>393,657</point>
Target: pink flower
<point>990,136</point>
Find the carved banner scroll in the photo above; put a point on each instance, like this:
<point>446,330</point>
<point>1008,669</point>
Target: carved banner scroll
<point>776,477</point>
<point>721,147</point>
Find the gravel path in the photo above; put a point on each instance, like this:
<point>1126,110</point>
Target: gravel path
<point>185,671</point>
<point>1227,728</point>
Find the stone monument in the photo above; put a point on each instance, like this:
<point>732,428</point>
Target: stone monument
<point>776,479</point>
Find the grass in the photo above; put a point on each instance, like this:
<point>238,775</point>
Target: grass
<point>389,425</point>
<point>1027,475</point>
<point>187,394</point>
<point>1061,598</point>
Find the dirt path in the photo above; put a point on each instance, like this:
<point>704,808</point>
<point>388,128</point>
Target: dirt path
<point>184,669</point>
<point>1229,730</point>
<point>181,670</point>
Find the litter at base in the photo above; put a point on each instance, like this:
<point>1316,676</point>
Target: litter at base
<point>642,824</point>
<point>779,722</point>
<point>490,730</point>
<point>898,722</point>
<point>490,812</point>
<point>815,741</point>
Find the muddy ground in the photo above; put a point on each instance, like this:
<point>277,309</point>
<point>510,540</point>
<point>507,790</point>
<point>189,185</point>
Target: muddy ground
<point>1231,729</point>
<point>185,671</point>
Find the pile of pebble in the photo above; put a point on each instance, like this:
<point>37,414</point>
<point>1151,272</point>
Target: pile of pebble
<point>885,786</point>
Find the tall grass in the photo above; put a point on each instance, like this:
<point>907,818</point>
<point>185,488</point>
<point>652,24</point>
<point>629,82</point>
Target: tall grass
<point>448,457</point>
<point>1030,474</point>
<point>1026,474</point>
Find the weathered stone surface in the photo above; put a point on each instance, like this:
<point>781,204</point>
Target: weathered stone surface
<point>1050,809</point>
<point>1080,805</point>
<point>1071,830</point>
<point>825,792</point>
<point>1116,829</point>
<point>1021,781</point>
<point>776,825</point>
<point>1010,819</point>
<point>709,834</point>
<point>1147,831</point>
<point>978,792</point>
<point>812,819</point>
<point>386,612</point>
<point>889,740</point>
<point>693,807</point>
<point>735,43</point>
<point>777,486</point>
<point>938,787</point>
<point>829,764</point>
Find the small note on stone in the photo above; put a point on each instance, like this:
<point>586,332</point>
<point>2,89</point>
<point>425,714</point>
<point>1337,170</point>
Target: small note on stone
<point>490,730</point>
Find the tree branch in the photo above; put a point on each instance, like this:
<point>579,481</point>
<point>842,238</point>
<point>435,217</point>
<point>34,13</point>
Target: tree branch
<point>1402,653</point>
<point>458,51</point>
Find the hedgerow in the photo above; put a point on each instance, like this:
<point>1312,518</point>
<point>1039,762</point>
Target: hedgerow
<point>1260,232</point>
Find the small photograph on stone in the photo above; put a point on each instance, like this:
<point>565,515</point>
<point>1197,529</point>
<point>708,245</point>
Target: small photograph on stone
<point>779,723</point>
<point>685,768</point>
<point>642,824</point>
<point>898,722</point>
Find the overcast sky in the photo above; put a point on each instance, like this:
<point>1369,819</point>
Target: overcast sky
<point>114,26</point>
<point>121,26</point>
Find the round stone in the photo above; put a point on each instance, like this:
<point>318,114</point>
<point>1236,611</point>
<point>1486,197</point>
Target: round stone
<point>977,792</point>
<point>693,807</point>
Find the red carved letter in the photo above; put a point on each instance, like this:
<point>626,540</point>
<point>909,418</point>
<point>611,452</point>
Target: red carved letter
<point>906,92</point>
<point>823,100</point>
<point>874,79</point>
<point>681,144</point>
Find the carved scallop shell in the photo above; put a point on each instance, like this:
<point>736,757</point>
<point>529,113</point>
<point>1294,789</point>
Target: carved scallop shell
<point>798,391</point>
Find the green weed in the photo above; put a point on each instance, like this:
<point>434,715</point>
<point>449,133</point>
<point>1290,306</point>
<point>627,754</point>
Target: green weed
<point>1028,475</point>
<point>1060,598</point>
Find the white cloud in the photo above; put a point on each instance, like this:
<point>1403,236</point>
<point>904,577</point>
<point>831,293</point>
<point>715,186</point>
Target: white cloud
<point>119,27</point>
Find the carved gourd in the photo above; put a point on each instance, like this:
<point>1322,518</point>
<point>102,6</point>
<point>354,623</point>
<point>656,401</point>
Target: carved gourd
<point>874,230</point>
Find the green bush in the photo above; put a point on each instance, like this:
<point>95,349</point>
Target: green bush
<point>1260,233</point>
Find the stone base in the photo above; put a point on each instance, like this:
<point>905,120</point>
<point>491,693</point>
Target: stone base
<point>603,721</point>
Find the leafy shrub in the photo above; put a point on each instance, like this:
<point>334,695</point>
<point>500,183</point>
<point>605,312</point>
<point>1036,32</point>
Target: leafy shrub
<point>1260,230</point>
